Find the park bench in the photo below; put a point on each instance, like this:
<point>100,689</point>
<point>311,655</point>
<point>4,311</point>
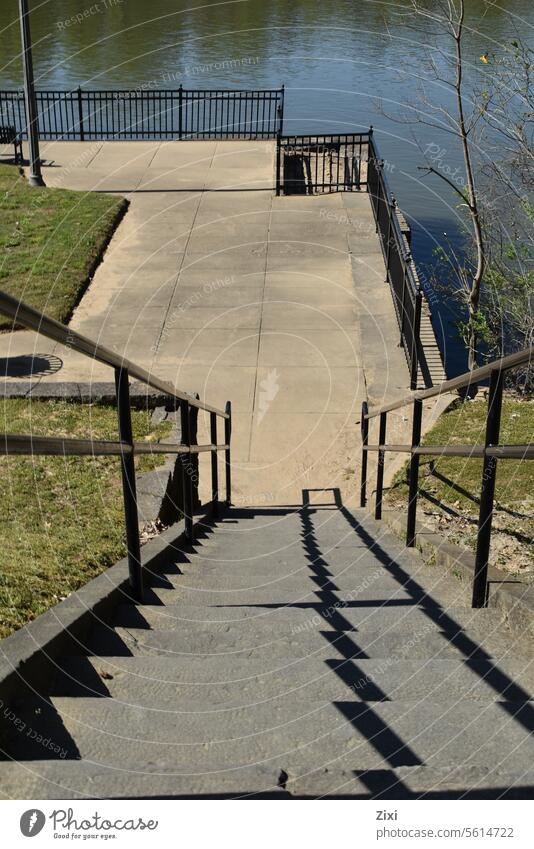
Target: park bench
<point>9,135</point>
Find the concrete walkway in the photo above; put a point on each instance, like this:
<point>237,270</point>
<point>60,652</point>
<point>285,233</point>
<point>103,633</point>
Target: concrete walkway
<point>294,652</point>
<point>278,304</point>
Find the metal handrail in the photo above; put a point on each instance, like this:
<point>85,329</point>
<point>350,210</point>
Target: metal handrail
<point>468,378</point>
<point>32,319</point>
<point>490,452</point>
<point>28,444</point>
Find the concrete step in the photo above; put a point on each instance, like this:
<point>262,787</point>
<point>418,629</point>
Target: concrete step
<point>318,612</point>
<point>295,735</point>
<point>185,683</point>
<point>272,649</point>
<point>82,779</point>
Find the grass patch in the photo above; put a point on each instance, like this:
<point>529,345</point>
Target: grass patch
<point>450,486</point>
<point>50,242</point>
<point>62,518</point>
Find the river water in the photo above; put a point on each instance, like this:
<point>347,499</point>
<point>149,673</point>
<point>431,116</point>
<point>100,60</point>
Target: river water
<point>346,64</point>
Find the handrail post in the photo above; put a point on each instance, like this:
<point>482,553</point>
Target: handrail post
<point>80,114</point>
<point>487,491</point>
<point>278,163</point>
<point>180,118</point>
<point>128,483</point>
<point>364,424</point>
<point>405,261</point>
<point>187,484</point>
<point>380,466</point>
<point>415,341</point>
<point>413,488</point>
<point>227,455</point>
<point>214,467</point>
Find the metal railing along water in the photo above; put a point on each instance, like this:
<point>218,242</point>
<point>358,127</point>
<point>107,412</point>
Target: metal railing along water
<point>125,447</point>
<point>350,162</point>
<point>179,113</point>
<point>490,452</point>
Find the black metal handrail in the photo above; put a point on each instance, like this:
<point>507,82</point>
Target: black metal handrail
<point>490,452</point>
<point>25,315</point>
<point>180,113</point>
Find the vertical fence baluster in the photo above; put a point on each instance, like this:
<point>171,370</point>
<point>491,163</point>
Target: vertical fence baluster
<point>80,115</point>
<point>278,163</point>
<point>414,474</point>
<point>365,441</point>
<point>380,466</point>
<point>128,483</point>
<point>187,484</point>
<point>487,491</point>
<point>214,466</point>
<point>227,457</point>
<point>415,340</point>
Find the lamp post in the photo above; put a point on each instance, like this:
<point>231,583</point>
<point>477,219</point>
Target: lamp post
<point>35,177</point>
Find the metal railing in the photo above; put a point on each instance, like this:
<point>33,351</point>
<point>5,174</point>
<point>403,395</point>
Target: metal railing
<point>125,447</point>
<point>320,163</point>
<point>179,113</point>
<point>490,452</point>
<point>350,162</point>
<point>400,269</point>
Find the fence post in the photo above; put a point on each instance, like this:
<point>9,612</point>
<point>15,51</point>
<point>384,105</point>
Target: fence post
<point>405,261</point>
<point>214,467</point>
<point>227,457</point>
<point>392,212</point>
<point>80,114</point>
<point>415,341</point>
<point>128,483</point>
<point>414,473</point>
<point>278,163</point>
<point>487,491</point>
<point>364,424</point>
<point>281,110</point>
<point>380,466</point>
<point>180,118</point>
<point>185,459</point>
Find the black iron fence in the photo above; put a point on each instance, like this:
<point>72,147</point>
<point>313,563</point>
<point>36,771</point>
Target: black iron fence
<point>490,452</point>
<point>350,162</point>
<point>180,113</point>
<point>308,165</point>
<point>400,269</point>
<point>125,447</point>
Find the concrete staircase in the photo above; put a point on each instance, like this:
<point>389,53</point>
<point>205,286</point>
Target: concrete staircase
<point>291,652</point>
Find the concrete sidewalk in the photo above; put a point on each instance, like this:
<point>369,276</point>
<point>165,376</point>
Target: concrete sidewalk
<point>278,304</point>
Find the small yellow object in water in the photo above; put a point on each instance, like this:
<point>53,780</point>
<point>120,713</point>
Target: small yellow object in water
<point>484,58</point>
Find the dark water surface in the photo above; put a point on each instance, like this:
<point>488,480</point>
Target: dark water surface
<point>343,63</point>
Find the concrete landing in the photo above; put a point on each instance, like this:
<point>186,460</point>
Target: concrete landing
<point>278,304</point>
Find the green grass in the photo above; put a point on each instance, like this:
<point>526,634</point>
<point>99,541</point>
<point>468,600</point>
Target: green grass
<point>62,518</point>
<point>49,241</point>
<point>450,487</point>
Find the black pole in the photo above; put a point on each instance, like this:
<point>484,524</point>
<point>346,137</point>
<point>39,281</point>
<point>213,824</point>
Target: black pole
<point>187,483</point>
<point>214,467</point>
<point>227,456</point>
<point>380,466</point>
<point>365,441</point>
<point>414,474</point>
<point>487,492</point>
<point>35,177</point>
<point>128,484</point>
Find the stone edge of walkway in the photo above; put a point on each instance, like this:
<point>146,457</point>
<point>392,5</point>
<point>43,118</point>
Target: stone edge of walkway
<point>515,600</point>
<point>97,392</point>
<point>28,655</point>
